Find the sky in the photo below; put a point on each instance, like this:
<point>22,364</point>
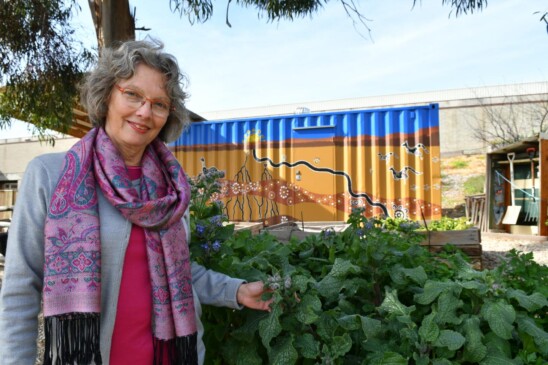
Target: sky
<point>258,63</point>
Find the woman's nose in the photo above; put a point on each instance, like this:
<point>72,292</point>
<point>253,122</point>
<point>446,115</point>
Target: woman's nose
<point>145,110</point>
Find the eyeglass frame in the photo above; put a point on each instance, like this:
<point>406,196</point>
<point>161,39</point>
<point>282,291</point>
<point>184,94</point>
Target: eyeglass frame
<point>145,99</point>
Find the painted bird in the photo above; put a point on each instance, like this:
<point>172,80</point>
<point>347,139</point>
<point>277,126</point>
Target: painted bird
<point>415,150</point>
<point>387,156</point>
<point>402,174</point>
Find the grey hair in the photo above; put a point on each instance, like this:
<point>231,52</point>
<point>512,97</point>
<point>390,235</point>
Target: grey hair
<point>116,64</point>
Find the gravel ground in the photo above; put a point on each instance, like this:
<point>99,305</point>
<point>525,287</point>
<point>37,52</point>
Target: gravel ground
<point>495,245</point>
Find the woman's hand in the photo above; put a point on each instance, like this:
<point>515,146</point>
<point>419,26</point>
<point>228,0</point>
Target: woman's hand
<point>250,295</point>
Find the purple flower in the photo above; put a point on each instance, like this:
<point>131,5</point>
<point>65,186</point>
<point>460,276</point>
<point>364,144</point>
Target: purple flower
<point>200,229</point>
<point>326,233</point>
<point>216,220</point>
<point>216,246</point>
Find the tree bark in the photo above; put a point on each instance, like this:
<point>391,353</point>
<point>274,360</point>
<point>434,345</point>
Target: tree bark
<point>113,22</point>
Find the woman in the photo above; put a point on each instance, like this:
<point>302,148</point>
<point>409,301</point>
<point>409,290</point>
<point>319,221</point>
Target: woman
<point>100,233</point>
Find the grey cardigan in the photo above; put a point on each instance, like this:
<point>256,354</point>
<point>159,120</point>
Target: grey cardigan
<point>20,296</point>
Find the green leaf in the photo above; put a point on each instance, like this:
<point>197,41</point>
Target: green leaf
<point>417,274</point>
<point>270,327</point>
<point>387,358</point>
<point>474,349</point>
<point>420,359</point>
<point>308,309</point>
<point>393,306</point>
<point>432,289</point>
<point>528,325</point>
<point>306,253</point>
<point>429,330</point>
<point>531,302</point>
<point>397,275</point>
<point>349,322</point>
<point>495,356</point>
<point>499,359</point>
<point>450,339</point>
<point>408,334</point>
<point>300,282</point>
<point>341,268</point>
<point>327,325</point>
<point>248,357</point>
<point>308,347</point>
<point>441,362</point>
<point>494,342</point>
<point>283,353</point>
<point>447,306</point>
<point>480,287</point>
<point>248,330</point>
<point>371,327</point>
<point>340,345</point>
<point>330,286</point>
<point>500,316</point>
<point>334,281</point>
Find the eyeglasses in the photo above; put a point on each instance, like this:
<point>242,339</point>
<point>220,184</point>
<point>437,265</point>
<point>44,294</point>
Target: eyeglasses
<point>135,99</point>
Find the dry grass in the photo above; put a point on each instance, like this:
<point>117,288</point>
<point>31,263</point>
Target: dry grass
<point>455,171</point>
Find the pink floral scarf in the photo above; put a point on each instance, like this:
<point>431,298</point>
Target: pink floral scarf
<point>72,270</point>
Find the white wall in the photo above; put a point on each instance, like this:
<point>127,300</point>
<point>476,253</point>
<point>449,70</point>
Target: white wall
<point>15,154</point>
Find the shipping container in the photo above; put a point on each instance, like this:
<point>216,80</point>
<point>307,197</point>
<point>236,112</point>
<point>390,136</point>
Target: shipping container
<point>318,166</point>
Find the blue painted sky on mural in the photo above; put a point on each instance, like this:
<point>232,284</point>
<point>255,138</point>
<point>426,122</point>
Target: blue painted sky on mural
<point>256,63</point>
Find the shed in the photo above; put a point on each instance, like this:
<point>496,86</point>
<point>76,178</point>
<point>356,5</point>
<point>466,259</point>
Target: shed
<point>516,198</point>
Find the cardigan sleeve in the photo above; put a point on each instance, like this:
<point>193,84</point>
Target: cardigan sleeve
<point>214,288</point>
<point>211,287</point>
<point>20,295</point>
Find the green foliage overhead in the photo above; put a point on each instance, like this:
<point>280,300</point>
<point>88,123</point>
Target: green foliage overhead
<point>201,10</point>
<point>40,63</point>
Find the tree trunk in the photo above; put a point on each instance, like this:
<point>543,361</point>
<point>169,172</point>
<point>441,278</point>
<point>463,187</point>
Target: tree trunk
<point>113,21</point>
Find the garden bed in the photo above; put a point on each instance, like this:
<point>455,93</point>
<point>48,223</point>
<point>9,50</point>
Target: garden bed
<point>299,230</point>
<point>468,241</point>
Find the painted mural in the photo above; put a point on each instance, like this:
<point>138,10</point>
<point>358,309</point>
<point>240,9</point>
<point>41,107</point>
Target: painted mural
<point>317,167</point>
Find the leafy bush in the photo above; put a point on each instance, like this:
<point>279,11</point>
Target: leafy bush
<point>368,295</point>
<point>449,224</point>
<point>372,295</point>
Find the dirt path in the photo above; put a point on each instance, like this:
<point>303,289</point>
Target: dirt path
<point>495,245</point>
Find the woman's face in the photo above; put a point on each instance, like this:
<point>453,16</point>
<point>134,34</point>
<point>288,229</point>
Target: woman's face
<point>131,125</point>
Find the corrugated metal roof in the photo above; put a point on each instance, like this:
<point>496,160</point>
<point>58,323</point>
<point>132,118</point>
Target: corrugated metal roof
<point>445,98</point>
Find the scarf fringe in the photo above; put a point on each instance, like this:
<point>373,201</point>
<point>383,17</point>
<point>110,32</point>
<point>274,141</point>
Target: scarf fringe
<point>177,351</point>
<point>72,338</point>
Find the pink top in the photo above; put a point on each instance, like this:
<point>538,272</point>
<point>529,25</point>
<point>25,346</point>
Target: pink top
<point>132,335</point>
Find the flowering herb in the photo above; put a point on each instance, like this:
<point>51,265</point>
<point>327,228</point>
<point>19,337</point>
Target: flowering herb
<point>208,222</point>
<point>372,295</point>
